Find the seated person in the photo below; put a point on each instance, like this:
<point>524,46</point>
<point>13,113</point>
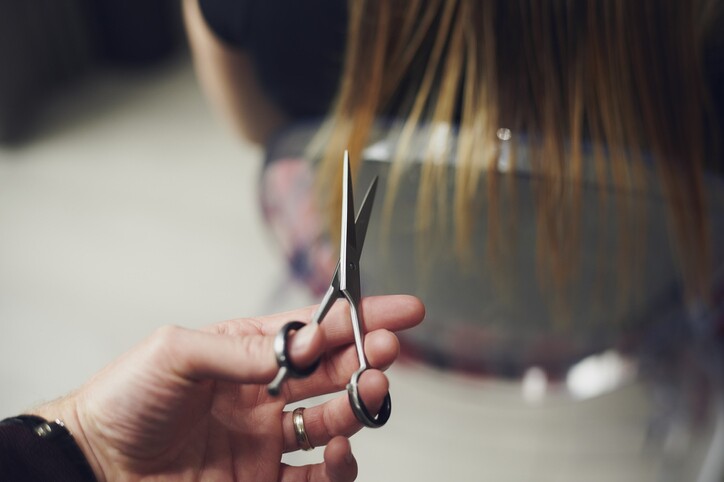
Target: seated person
<point>551,172</point>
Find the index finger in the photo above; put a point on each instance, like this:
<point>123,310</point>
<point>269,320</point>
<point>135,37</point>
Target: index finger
<point>246,354</point>
<point>390,312</point>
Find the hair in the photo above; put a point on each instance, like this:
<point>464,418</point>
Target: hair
<point>623,77</point>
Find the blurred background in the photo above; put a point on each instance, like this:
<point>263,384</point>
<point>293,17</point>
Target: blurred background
<point>125,205</point>
<point>47,47</point>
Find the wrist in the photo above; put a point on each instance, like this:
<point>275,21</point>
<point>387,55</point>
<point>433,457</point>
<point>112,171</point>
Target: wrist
<point>65,410</point>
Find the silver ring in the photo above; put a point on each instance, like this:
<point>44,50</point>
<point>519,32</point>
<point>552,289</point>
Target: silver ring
<point>299,431</point>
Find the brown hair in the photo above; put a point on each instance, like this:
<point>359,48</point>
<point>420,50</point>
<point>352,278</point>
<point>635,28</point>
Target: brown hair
<point>624,77</point>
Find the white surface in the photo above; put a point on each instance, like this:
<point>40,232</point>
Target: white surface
<point>135,208</point>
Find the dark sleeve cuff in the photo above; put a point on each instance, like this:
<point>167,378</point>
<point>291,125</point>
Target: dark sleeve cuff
<point>27,456</point>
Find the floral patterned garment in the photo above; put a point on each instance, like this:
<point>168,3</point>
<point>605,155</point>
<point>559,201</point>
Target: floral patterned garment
<point>677,354</point>
<point>498,340</point>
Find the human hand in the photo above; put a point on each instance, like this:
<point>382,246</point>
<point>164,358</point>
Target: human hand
<point>193,405</point>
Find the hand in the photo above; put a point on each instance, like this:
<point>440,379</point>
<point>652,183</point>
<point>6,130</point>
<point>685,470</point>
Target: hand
<point>193,405</point>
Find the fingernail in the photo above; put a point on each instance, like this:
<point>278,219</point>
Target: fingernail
<point>349,458</point>
<point>303,339</point>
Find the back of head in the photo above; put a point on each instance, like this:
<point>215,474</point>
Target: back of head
<point>613,88</point>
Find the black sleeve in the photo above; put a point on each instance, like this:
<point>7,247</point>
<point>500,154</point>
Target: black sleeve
<point>25,456</point>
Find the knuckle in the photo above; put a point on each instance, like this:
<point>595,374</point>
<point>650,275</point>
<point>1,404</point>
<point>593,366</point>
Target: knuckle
<point>166,341</point>
<point>246,347</point>
<point>166,335</point>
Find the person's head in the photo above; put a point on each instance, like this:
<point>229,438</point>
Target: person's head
<point>618,85</point>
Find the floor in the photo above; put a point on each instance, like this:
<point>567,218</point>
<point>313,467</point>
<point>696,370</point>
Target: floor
<point>134,207</point>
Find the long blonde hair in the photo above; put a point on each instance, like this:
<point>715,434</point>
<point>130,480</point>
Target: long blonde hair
<point>624,77</point>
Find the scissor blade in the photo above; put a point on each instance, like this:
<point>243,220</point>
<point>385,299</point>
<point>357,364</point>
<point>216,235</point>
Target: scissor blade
<point>361,223</point>
<point>348,243</point>
<point>364,214</point>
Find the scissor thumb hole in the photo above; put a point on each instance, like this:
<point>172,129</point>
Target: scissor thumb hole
<point>373,386</point>
<point>306,345</point>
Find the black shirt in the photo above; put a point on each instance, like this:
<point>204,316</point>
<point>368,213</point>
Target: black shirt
<point>297,47</point>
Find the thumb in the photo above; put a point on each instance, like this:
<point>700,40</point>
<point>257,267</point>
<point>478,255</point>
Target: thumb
<point>244,358</point>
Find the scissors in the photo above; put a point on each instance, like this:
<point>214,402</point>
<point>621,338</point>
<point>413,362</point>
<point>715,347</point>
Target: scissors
<point>345,285</point>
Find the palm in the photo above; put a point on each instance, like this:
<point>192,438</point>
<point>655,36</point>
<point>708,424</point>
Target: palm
<point>237,437</point>
<point>240,424</point>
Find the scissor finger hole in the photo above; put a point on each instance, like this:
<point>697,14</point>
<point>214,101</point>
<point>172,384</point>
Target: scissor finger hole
<point>360,409</point>
<point>281,351</point>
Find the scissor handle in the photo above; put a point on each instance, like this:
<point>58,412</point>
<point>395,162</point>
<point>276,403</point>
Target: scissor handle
<point>360,409</point>
<point>286,366</point>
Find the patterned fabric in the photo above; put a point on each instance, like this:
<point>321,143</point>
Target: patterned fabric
<point>290,212</point>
